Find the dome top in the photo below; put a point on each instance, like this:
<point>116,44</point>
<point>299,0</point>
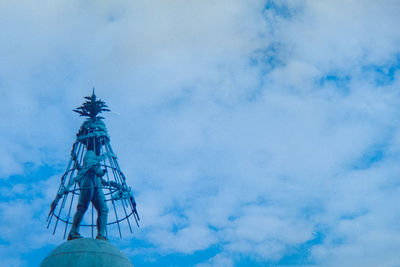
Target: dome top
<point>86,252</point>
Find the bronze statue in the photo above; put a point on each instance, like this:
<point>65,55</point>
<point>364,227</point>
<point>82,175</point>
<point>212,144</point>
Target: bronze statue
<point>97,169</point>
<point>90,183</point>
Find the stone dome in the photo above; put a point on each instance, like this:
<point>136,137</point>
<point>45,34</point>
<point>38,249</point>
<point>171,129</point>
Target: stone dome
<point>86,252</point>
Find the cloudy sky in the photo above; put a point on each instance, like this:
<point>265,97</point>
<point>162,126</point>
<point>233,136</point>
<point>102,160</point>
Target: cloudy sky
<point>254,133</point>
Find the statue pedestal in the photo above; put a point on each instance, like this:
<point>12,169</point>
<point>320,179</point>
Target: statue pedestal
<point>86,252</point>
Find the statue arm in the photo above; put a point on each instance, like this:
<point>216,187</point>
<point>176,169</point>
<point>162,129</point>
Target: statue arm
<point>71,182</point>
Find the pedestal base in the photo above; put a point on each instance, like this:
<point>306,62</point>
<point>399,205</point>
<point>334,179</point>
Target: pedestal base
<point>86,252</point>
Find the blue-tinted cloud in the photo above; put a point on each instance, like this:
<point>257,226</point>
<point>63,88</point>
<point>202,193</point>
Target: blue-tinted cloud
<point>253,132</point>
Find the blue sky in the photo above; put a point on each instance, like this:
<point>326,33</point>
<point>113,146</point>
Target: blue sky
<point>254,133</point>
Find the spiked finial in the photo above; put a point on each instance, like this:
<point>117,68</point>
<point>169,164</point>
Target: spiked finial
<point>92,107</point>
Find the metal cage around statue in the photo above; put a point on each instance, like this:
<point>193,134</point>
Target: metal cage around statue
<point>93,138</point>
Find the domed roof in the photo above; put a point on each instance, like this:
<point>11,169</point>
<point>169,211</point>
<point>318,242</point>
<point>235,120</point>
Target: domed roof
<point>86,252</point>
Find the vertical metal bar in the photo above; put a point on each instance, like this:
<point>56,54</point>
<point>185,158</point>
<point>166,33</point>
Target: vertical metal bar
<point>116,170</point>
<point>122,177</point>
<point>126,215</point>
<point>103,140</point>
<point>75,165</point>
<point>92,220</point>
<point>95,152</point>
<point>69,211</point>
<point>107,175</point>
<point>105,165</point>
<point>115,210</point>
<point>57,218</point>
<point>134,215</point>
<point>112,200</point>
<point>62,183</point>
<point>73,192</point>
<point>116,216</point>
<point>115,164</point>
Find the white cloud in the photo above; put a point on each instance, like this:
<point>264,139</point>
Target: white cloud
<point>219,260</point>
<point>242,127</point>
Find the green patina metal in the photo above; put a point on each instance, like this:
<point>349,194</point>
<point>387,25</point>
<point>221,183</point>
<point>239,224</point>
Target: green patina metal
<point>93,177</point>
<point>86,252</point>
<point>92,107</point>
